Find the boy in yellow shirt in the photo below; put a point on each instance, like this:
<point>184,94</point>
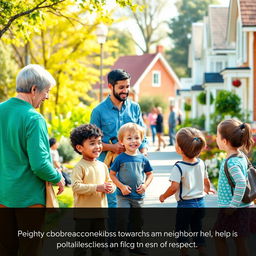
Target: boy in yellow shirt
<point>90,180</point>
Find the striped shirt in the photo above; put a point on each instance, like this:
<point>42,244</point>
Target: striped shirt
<point>237,167</point>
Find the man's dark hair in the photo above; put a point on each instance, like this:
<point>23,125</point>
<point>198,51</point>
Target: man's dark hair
<point>82,133</point>
<point>52,141</point>
<point>117,75</point>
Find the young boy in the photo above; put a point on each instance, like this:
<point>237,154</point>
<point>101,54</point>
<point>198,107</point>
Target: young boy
<point>130,168</point>
<point>90,181</point>
<point>128,173</point>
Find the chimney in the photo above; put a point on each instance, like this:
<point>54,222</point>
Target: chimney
<point>159,49</point>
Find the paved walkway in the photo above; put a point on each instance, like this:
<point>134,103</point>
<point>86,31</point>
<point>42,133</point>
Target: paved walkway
<point>162,163</point>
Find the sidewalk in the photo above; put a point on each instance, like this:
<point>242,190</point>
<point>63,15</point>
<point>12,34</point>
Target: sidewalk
<point>162,163</point>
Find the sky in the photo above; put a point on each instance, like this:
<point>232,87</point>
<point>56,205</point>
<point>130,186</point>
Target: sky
<point>168,12</point>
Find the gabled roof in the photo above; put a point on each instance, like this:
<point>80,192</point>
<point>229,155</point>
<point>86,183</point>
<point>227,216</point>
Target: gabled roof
<point>139,65</point>
<point>218,18</point>
<point>135,65</point>
<point>248,12</point>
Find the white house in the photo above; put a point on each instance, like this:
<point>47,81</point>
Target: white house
<point>241,32</point>
<point>209,54</point>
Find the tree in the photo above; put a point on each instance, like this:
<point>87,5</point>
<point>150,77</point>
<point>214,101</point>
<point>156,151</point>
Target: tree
<point>148,20</point>
<point>71,53</point>
<point>8,71</point>
<point>124,44</point>
<point>189,11</point>
<point>21,17</point>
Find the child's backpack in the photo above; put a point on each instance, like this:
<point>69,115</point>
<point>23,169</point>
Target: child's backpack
<point>250,192</point>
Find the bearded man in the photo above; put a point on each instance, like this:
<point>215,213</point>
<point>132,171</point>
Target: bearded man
<point>113,112</point>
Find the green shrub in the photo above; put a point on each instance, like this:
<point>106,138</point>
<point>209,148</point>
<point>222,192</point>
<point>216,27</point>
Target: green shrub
<point>198,123</point>
<point>187,106</point>
<point>228,103</point>
<point>201,98</point>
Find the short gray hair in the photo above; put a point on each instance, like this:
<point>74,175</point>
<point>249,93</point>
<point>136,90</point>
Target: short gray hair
<point>33,75</point>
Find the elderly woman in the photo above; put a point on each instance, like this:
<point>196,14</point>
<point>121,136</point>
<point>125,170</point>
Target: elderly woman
<point>25,161</point>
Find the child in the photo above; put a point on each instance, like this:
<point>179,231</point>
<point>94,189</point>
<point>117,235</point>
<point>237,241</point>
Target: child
<point>90,180</point>
<point>130,168</point>
<point>56,160</point>
<point>233,135</point>
<point>189,180</point>
<point>128,173</point>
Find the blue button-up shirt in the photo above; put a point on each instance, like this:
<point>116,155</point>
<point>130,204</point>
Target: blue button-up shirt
<point>109,119</point>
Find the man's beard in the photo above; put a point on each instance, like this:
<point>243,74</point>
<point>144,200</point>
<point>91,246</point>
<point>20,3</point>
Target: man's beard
<point>117,96</point>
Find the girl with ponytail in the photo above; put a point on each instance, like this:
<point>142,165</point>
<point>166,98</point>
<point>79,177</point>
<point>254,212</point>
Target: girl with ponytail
<point>233,137</point>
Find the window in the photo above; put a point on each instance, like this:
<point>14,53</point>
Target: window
<point>156,79</point>
<point>218,66</point>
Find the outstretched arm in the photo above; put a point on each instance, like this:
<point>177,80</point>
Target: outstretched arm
<point>170,191</point>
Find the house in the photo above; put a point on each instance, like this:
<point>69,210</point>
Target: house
<point>151,75</point>
<point>209,54</point>
<point>223,56</point>
<point>241,31</point>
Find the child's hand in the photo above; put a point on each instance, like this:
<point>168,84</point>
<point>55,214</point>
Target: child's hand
<point>141,189</point>
<point>109,187</point>
<point>103,188</point>
<point>210,191</point>
<point>126,190</point>
<point>161,198</point>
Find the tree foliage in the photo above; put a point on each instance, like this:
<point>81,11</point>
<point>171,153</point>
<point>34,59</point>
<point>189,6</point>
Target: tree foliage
<point>20,18</point>
<point>71,53</point>
<point>124,43</point>
<point>189,11</point>
<point>8,71</point>
<point>65,44</point>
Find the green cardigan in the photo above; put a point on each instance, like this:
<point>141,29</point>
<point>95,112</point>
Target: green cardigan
<point>25,161</point>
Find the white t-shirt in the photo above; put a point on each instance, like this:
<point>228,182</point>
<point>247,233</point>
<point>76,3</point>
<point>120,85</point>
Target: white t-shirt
<point>55,155</point>
<point>192,179</point>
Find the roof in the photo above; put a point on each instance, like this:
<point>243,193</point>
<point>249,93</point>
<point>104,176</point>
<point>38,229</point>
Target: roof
<point>248,12</point>
<point>139,65</point>
<point>218,19</point>
<point>236,68</point>
<point>179,91</point>
<point>135,65</point>
<point>197,87</point>
<point>213,78</point>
